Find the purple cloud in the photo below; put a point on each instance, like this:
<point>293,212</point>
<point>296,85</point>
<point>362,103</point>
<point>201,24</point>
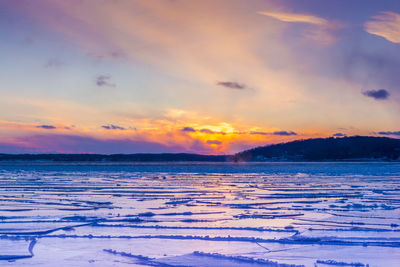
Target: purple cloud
<point>232,85</point>
<point>380,94</point>
<point>188,129</point>
<point>116,55</point>
<point>260,133</point>
<point>339,135</point>
<point>214,142</point>
<point>284,133</point>
<point>390,133</point>
<point>207,131</point>
<point>47,127</point>
<point>104,80</point>
<point>113,127</point>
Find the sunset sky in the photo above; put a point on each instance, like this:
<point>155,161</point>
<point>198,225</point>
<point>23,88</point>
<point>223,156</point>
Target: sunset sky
<point>202,76</point>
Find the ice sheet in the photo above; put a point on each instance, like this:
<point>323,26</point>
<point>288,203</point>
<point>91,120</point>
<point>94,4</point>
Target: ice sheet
<point>276,214</point>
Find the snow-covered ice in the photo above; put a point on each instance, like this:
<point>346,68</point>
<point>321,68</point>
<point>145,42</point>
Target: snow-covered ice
<point>269,214</point>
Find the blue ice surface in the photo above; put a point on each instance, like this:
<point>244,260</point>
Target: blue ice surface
<point>272,168</point>
<point>214,208</point>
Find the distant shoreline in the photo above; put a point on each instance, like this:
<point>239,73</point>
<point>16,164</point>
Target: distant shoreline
<point>182,162</point>
<point>116,158</point>
<point>344,149</point>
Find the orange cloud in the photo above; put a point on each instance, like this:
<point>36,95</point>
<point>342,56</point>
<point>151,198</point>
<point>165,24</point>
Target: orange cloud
<point>386,25</point>
<point>292,17</point>
<point>321,31</point>
<point>196,43</point>
<point>219,138</point>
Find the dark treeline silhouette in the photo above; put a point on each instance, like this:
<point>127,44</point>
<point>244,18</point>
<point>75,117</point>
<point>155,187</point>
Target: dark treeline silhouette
<point>354,148</point>
<point>326,149</point>
<point>112,158</point>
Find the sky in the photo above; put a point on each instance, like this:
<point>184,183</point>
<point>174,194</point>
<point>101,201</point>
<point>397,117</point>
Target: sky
<point>198,76</point>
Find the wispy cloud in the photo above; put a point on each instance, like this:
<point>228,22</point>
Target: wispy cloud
<point>104,80</point>
<point>339,135</point>
<point>397,133</point>
<point>188,129</point>
<point>113,127</point>
<point>284,133</point>
<point>319,29</point>
<point>281,133</point>
<point>386,25</point>
<point>293,17</point>
<point>232,85</point>
<point>47,127</point>
<point>260,133</point>
<point>208,131</point>
<point>380,94</point>
<point>113,55</point>
<point>214,142</point>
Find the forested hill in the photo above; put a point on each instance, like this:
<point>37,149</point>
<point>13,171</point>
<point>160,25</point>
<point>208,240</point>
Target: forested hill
<point>326,149</point>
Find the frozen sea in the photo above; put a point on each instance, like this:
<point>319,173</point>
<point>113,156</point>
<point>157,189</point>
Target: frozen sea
<point>200,214</point>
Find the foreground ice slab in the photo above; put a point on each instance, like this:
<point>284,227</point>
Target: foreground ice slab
<point>273,214</point>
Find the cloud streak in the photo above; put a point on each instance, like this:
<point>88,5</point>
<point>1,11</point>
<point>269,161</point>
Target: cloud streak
<point>232,85</point>
<point>104,80</point>
<point>386,25</point>
<point>339,135</point>
<point>293,17</point>
<point>214,142</point>
<point>208,131</point>
<point>113,127</point>
<point>47,127</point>
<point>284,133</point>
<point>317,29</point>
<point>397,133</point>
<point>280,133</point>
<point>188,129</point>
<point>260,133</point>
